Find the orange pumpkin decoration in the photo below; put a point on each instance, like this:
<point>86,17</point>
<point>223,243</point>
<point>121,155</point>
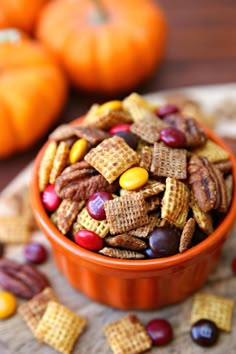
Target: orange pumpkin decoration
<point>21,14</point>
<point>106,46</point>
<point>32,92</point>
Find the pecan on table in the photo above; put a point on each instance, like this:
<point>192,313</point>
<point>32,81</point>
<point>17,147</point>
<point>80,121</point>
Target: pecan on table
<point>207,184</point>
<point>20,279</point>
<point>194,134</point>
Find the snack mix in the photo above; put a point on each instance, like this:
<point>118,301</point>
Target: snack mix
<point>135,181</point>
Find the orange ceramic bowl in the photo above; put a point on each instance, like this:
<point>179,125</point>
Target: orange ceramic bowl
<point>134,284</point>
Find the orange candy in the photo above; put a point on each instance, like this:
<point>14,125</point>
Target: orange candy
<point>8,304</point>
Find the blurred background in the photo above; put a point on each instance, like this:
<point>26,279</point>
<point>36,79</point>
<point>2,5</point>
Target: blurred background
<point>200,50</point>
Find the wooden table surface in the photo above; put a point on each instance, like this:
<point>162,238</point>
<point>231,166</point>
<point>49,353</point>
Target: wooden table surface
<point>201,50</point>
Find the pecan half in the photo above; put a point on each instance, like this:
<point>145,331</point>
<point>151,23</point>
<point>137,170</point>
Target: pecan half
<point>203,186</point>
<point>194,134</point>
<point>79,181</point>
<point>208,185</point>
<point>21,280</point>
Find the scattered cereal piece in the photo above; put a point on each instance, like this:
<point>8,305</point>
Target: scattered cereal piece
<point>106,120</point>
<point>148,128</point>
<point>14,229</point>
<point>151,188</point>
<point>126,213</point>
<point>99,227</point>
<point>60,327</point>
<point>19,201</point>
<point>146,157</point>
<point>63,132</point>
<point>137,106</point>
<point>169,162</point>
<point>33,310</point>
<point>91,134</point>
<point>112,157</point>
<point>187,234</point>
<point>215,308</point>
<point>127,336</point>
<point>67,213</point>
<point>212,151</point>
<point>204,220</point>
<point>175,203</point>
<point>143,231</point>
<point>46,164</point>
<point>60,161</point>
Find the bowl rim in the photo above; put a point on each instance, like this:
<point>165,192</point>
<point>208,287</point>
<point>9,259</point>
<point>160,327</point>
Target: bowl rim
<point>56,237</point>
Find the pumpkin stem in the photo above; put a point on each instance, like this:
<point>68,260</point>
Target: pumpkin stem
<point>99,15</point>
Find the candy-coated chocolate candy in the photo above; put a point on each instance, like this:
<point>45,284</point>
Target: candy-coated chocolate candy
<point>78,150</point>
<point>205,333</point>
<point>133,178</point>
<point>130,138</point>
<point>164,241</point>
<point>109,106</point>
<point>164,111</point>
<point>35,253</point>
<point>50,199</point>
<point>89,240</point>
<point>172,137</point>
<point>95,204</point>
<point>120,128</point>
<point>7,304</point>
<point>149,253</point>
<point>160,331</point>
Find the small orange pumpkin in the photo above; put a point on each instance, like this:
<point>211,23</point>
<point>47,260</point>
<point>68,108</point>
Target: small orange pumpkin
<point>106,46</point>
<point>32,92</point>
<point>21,14</point>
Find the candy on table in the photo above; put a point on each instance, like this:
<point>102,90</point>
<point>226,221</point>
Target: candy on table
<point>35,253</point>
<point>218,309</point>
<point>8,304</point>
<point>160,331</point>
<point>205,333</point>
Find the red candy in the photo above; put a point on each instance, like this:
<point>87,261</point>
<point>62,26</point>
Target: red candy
<point>172,137</point>
<point>164,111</point>
<point>160,331</point>
<point>89,240</point>
<point>120,128</point>
<point>95,205</point>
<point>35,253</point>
<point>49,198</point>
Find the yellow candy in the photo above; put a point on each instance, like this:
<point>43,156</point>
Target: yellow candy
<point>7,304</point>
<point>133,178</point>
<point>109,106</point>
<point>78,150</point>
